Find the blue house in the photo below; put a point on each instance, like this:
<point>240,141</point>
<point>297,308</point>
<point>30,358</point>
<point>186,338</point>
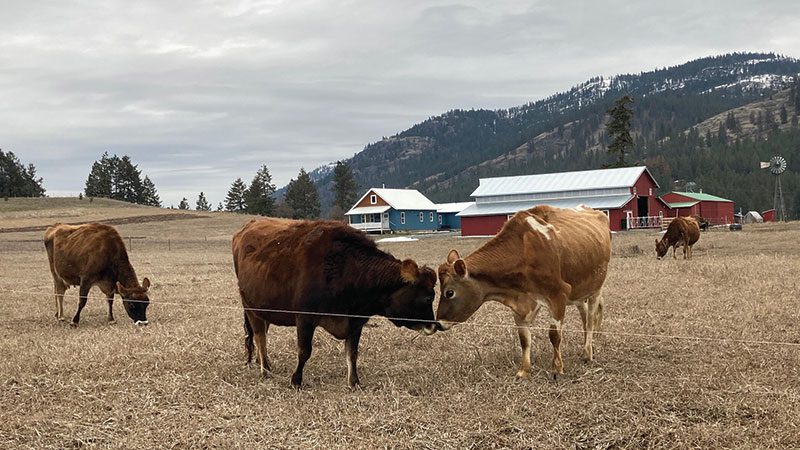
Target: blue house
<point>448,220</point>
<point>387,210</point>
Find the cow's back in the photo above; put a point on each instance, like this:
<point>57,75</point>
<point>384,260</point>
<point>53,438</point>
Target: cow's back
<point>83,251</point>
<point>680,227</point>
<point>581,239</point>
<point>275,264</point>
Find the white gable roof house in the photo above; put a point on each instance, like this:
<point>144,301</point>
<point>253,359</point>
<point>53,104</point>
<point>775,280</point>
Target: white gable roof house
<point>378,201</point>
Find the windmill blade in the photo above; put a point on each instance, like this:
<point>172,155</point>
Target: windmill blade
<point>764,165</point>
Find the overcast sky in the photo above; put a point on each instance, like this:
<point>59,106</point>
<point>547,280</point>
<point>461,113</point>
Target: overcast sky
<point>201,92</point>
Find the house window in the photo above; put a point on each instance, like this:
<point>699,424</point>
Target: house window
<point>431,217</point>
<point>421,216</point>
<point>440,219</point>
<point>363,218</point>
<point>403,217</point>
<point>373,199</point>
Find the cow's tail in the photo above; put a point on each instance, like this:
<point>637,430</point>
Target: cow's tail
<point>248,338</point>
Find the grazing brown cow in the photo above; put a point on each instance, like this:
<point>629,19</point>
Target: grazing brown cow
<point>94,255</point>
<point>681,231</point>
<point>544,256</point>
<point>331,272</point>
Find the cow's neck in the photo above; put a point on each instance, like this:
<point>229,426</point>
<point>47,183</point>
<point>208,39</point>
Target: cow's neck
<point>497,266</point>
<point>126,275</point>
<point>379,275</point>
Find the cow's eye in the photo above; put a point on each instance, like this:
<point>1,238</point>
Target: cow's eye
<point>449,293</point>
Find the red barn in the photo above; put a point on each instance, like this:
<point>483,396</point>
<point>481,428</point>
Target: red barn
<point>716,210</point>
<point>768,215</point>
<point>626,195</point>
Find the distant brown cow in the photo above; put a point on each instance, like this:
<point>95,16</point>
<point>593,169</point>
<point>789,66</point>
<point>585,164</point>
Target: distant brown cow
<point>334,274</point>
<point>544,256</point>
<point>94,255</point>
<point>681,231</point>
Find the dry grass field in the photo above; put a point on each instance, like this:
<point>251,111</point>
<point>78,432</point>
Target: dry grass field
<point>702,353</point>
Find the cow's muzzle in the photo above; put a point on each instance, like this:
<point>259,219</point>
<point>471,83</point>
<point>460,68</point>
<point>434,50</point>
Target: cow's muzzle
<point>432,328</point>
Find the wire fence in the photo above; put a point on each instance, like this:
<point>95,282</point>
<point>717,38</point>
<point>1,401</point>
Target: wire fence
<point>614,333</point>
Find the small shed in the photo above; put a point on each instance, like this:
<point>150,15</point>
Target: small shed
<point>447,212</point>
<point>768,215</point>
<point>386,210</point>
<point>753,217</point>
<point>716,210</point>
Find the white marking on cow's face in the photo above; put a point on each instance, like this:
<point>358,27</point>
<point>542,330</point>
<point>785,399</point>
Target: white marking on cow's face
<point>141,322</point>
<point>544,229</point>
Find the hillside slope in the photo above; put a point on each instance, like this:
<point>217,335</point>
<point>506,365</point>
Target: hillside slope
<point>445,155</point>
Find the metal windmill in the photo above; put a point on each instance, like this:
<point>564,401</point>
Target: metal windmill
<point>777,165</point>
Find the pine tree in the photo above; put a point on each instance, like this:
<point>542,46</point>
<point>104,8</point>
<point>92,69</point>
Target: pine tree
<point>16,180</point>
<point>235,201</point>
<point>302,197</point>
<point>202,203</point>
<point>344,186</point>
<point>258,196</point>
<point>99,183</point>
<point>149,193</point>
<point>220,207</point>
<point>619,130</point>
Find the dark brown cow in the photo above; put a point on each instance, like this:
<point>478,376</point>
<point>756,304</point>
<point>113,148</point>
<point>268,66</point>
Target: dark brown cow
<point>702,222</point>
<point>544,256</point>
<point>331,272</point>
<point>681,231</point>
<point>94,255</point>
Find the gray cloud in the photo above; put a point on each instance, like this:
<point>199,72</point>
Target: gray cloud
<point>202,92</point>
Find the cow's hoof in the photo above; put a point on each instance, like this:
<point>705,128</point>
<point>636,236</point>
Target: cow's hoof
<point>60,319</point>
<point>112,322</point>
<point>73,324</point>
<point>523,374</point>
<point>356,387</point>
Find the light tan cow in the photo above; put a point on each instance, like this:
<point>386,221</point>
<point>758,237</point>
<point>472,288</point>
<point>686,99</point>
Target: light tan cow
<point>543,257</point>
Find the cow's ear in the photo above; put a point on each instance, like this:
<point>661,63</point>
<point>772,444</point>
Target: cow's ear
<point>460,267</point>
<point>146,283</point>
<point>409,271</point>
<point>453,256</point>
<point>121,289</point>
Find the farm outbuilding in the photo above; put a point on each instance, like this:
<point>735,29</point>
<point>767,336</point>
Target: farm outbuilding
<point>448,214</point>
<point>386,210</point>
<point>716,210</point>
<point>626,195</point>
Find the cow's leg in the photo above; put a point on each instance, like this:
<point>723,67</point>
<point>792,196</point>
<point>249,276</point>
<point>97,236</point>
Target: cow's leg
<point>674,248</point>
<point>305,337</point>
<point>558,306</point>
<point>58,291</point>
<point>586,321</point>
<point>351,350</point>
<point>524,332</point>
<point>83,294</point>
<point>110,300</point>
<point>260,328</point>
<point>592,315</point>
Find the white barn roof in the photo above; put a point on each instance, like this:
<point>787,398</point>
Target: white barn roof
<point>398,199</point>
<point>560,182</point>
<point>445,208</point>
<point>491,209</point>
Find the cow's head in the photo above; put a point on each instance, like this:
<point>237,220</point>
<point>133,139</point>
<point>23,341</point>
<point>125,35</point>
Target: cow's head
<point>135,300</point>
<point>414,300</point>
<point>661,248</point>
<point>460,295</point>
